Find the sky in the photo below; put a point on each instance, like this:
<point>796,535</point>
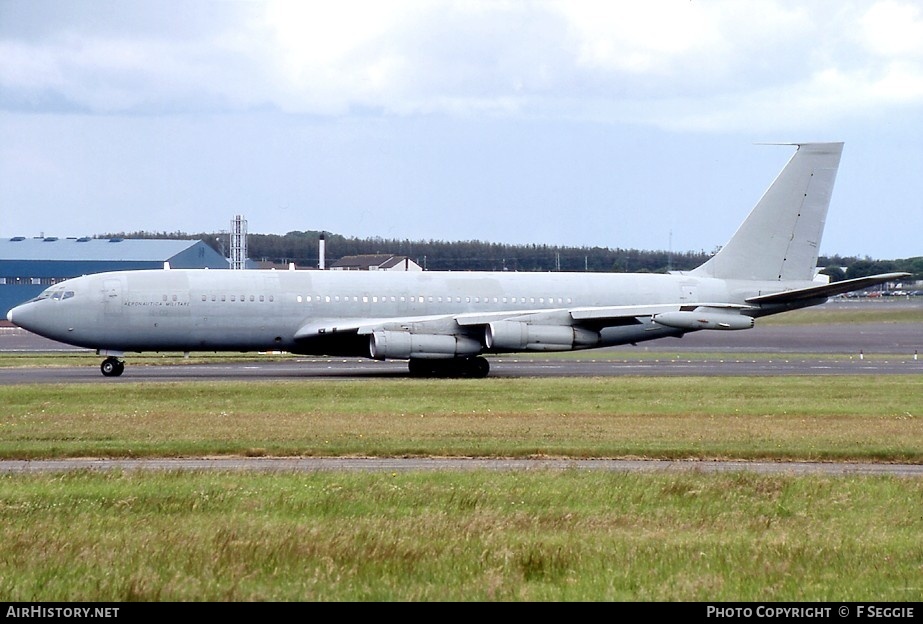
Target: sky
<point>621,124</point>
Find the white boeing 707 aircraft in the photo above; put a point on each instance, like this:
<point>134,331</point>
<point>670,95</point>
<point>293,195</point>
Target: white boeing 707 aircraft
<point>444,322</point>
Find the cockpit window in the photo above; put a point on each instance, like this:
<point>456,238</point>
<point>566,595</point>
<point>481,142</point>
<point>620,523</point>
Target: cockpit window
<point>45,294</point>
<point>55,294</point>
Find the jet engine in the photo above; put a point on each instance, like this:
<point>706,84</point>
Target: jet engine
<point>517,336</point>
<point>402,345</point>
<point>703,320</point>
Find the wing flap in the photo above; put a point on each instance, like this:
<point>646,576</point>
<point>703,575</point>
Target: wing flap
<point>325,327</point>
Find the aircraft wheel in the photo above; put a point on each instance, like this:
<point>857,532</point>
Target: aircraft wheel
<point>419,368</point>
<point>112,367</point>
<point>477,367</point>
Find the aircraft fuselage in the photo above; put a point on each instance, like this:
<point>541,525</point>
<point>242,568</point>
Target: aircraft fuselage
<point>218,310</point>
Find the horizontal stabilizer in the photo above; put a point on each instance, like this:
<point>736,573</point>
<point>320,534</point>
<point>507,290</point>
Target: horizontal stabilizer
<point>827,290</point>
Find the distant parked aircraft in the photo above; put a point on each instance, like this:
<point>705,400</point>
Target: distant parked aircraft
<point>444,323</point>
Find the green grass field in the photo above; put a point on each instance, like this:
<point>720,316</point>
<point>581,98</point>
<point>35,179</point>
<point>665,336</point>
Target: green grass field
<point>853,418</point>
<point>541,535</point>
<point>446,536</point>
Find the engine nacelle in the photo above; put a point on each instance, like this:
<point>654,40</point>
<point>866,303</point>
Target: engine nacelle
<point>703,320</point>
<point>516,336</point>
<point>402,345</point>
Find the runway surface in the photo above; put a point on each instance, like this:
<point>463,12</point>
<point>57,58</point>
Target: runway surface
<point>824,349</point>
<point>323,369</point>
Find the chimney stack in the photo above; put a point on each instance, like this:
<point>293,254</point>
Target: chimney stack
<point>320,252</point>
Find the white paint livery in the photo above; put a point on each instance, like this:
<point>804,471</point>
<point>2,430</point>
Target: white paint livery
<point>443,323</point>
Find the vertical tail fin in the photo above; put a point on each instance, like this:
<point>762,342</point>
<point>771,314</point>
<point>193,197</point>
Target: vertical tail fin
<point>780,238</point>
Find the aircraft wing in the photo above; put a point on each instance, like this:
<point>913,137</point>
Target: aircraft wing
<point>827,290</point>
<point>598,316</point>
<point>592,318</point>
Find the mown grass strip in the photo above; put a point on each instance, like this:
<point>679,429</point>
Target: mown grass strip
<point>862,418</point>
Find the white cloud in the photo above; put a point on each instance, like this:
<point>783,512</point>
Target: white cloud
<point>893,29</point>
<point>677,63</point>
<point>637,37</point>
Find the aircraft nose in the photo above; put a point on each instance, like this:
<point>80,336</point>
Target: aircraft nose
<point>19,315</point>
<point>14,315</point>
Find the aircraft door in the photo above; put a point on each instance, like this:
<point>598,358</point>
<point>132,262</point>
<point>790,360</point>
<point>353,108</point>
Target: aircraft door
<point>112,297</point>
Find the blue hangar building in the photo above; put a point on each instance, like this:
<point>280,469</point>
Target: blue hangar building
<point>30,265</point>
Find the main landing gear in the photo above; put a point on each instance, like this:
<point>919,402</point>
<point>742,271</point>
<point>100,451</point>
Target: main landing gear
<point>473,367</point>
<point>112,367</point>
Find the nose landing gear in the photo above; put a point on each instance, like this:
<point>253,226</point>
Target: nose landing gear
<point>112,367</point>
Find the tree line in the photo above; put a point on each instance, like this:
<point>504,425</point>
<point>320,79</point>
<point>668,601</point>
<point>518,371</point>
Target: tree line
<point>302,249</point>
